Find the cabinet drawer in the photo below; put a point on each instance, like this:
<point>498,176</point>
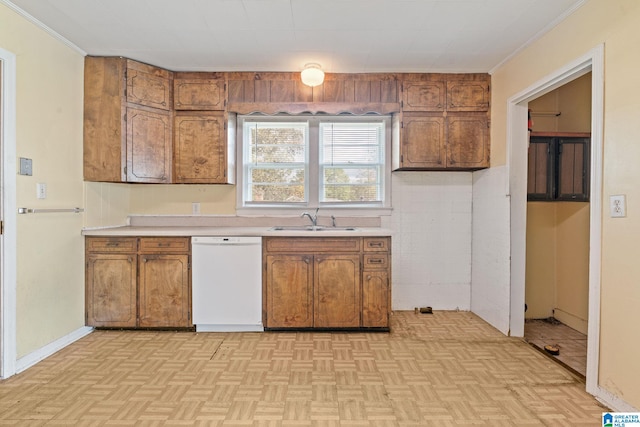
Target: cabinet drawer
<point>376,244</point>
<point>376,262</point>
<point>111,244</point>
<point>312,244</point>
<point>164,244</point>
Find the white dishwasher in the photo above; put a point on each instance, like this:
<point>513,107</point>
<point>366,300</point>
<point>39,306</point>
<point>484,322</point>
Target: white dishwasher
<point>227,283</point>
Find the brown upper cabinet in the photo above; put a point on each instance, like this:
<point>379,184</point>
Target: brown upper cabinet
<point>136,130</point>
<point>127,121</point>
<point>468,93</point>
<point>444,123</point>
<point>423,95</point>
<point>149,125</point>
<point>148,85</point>
<point>202,150</point>
<point>199,92</point>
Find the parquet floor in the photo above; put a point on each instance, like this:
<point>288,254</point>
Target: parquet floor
<point>441,369</point>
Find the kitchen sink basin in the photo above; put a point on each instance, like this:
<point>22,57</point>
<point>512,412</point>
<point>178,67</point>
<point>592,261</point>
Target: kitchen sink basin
<point>310,228</point>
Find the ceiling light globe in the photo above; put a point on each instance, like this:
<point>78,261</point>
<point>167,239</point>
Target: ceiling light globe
<point>312,75</point>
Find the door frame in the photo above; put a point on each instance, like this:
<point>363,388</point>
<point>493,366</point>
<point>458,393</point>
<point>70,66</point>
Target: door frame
<point>8,258</point>
<point>517,148</point>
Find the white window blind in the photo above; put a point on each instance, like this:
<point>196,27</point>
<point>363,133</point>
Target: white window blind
<point>351,162</point>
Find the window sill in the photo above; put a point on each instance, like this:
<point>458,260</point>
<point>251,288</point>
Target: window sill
<point>324,211</point>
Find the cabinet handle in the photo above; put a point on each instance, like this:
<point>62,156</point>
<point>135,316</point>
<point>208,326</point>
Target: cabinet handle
<point>376,261</point>
<point>113,244</point>
<point>144,260</point>
<point>306,260</point>
<point>368,277</point>
<point>130,260</point>
<point>375,244</point>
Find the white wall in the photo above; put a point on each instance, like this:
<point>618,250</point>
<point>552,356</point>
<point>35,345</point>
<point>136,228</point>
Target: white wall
<point>490,293</point>
<point>431,222</point>
<point>49,280</point>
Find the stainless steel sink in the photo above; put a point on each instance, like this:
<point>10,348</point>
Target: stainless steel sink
<point>310,228</point>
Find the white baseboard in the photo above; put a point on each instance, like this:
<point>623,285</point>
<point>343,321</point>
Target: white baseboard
<point>612,401</point>
<point>571,320</point>
<point>42,353</point>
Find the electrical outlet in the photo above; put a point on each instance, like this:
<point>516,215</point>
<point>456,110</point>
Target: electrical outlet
<point>195,208</point>
<point>41,190</point>
<point>618,206</point>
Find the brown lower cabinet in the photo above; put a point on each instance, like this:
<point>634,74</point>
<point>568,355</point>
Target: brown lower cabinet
<point>326,283</point>
<point>138,282</point>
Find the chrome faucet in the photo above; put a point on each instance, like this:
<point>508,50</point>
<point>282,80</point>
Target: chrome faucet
<point>313,218</point>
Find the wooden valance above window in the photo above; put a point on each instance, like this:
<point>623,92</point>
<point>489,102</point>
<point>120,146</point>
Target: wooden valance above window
<point>272,93</point>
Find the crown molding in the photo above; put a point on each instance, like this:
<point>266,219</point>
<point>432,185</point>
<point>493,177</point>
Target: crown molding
<point>43,27</point>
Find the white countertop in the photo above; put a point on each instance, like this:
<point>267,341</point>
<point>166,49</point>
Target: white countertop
<point>231,231</point>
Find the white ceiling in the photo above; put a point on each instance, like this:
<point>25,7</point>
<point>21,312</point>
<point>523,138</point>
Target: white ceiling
<point>282,35</point>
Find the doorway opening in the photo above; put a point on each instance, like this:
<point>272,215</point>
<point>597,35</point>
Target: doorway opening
<point>557,236</point>
<point>517,147</point>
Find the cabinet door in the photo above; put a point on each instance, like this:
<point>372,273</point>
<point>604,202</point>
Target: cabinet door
<point>423,96</point>
<point>375,299</point>
<point>540,182</point>
<point>468,95</point>
<point>337,293</point>
<point>198,94</point>
<point>149,86</point>
<point>200,148</point>
<point>573,169</point>
<point>111,290</point>
<point>164,291</point>
<point>148,146</point>
<point>288,296</point>
<point>467,141</point>
<point>423,141</point>
<point>104,131</point>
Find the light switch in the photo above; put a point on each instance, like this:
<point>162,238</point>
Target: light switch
<point>26,166</point>
<point>618,206</point>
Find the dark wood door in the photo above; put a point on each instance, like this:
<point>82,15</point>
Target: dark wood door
<point>164,291</point>
<point>375,299</point>
<point>423,141</point>
<point>423,96</point>
<point>467,141</point>
<point>148,85</point>
<point>198,94</point>
<point>337,293</point>
<point>465,94</point>
<point>148,146</point>
<point>289,291</point>
<point>200,148</point>
<point>111,290</point>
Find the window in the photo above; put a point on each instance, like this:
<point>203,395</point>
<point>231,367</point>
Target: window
<point>313,161</point>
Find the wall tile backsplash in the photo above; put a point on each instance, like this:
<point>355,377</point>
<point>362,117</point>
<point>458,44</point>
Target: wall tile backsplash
<point>431,221</point>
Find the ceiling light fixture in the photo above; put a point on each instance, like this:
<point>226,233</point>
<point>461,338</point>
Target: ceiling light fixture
<point>312,75</point>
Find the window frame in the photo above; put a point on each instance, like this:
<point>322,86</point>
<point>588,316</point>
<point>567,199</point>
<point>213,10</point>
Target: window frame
<point>313,178</point>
